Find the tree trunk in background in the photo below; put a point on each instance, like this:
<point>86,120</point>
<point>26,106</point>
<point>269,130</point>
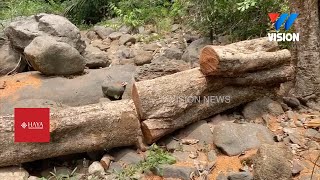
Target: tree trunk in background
<point>308,52</point>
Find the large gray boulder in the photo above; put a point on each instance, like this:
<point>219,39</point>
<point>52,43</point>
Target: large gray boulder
<point>234,139</point>
<point>51,57</point>
<point>22,32</point>
<point>79,91</point>
<point>272,162</point>
<point>192,52</point>
<point>9,60</point>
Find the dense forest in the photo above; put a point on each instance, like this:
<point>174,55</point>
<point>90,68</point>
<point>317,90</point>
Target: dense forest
<point>240,18</point>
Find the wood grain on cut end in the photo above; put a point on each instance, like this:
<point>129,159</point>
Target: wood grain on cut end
<point>136,101</point>
<point>209,61</point>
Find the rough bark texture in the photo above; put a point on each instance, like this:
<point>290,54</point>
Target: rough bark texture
<point>155,128</point>
<point>308,50</point>
<point>75,130</point>
<point>168,103</point>
<point>226,61</point>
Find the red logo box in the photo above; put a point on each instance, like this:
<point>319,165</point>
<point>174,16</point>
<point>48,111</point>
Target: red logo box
<point>31,125</point>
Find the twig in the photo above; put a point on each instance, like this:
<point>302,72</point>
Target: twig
<point>15,68</point>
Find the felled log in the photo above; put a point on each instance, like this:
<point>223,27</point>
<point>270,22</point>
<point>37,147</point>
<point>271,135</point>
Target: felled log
<point>168,103</point>
<point>75,130</point>
<point>155,128</point>
<point>234,59</point>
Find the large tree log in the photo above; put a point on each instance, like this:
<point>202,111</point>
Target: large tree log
<point>160,97</point>
<point>155,128</point>
<point>168,103</point>
<point>228,62</point>
<point>75,130</point>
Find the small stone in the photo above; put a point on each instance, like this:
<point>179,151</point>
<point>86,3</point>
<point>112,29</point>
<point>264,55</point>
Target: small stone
<point>126,38</point>
<point>240,176</point>
<point>272,162</point>
<point>33,178</point>
<point>221,177</point>
<point>115,35</point>
<point>313,145</point>
<point>291,115</point>
<point>175,27</point>
<point>92,35</point>
<point>212,156</point>
<point>114,166</point>
<point>106,161</point>
<point>103,32</point>
<point>173,53</point>
<point>312,133</point>
<point>151,47</point>
<point>291,102</point>
<point>174,171</point>
<point>125,29</point>
<point>127,156</point>
<point>142,57</point>
<point>96,168</point>
<point>193,155</point>
<point>297,167</point>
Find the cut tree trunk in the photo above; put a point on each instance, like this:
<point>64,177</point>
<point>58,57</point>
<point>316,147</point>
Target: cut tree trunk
<point>75,130</point>
<point>168,103</point>
<point>229,62</point>
<point>307,83</point>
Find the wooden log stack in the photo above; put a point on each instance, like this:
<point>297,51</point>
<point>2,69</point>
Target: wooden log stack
<point>228,77</point>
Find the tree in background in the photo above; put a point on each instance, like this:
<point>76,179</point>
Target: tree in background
<point>307,84</point>
<point>242,19</point>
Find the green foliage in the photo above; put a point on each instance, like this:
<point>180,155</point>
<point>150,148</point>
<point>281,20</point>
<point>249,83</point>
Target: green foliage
<point>55,176</point>
<point>155,157</point>
<point>161,13</point>
<point>88,11</point>
<point>242,19</point>
<point>13,8</point>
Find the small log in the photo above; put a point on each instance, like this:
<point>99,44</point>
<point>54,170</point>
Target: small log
<point>75,130</point>
<point>228,62</point>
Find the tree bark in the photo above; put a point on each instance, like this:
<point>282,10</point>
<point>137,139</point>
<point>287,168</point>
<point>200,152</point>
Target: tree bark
<point>75,130</point>
<point>170,102</point>
<point>307,82</point>
<point>228,62</point>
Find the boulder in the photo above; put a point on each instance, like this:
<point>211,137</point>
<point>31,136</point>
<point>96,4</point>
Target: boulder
<point>160,67</point>
<point>79,91</point>
<point>51,57</point>
<point>263,106</point>
<point>95,58</point>
<point>272,162</point>
<point>233,139</point>
<point>9,60</point>
<point>103,32</point>
<point>21,33</point>
<point>33,103</point>
<point>192,52</point>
